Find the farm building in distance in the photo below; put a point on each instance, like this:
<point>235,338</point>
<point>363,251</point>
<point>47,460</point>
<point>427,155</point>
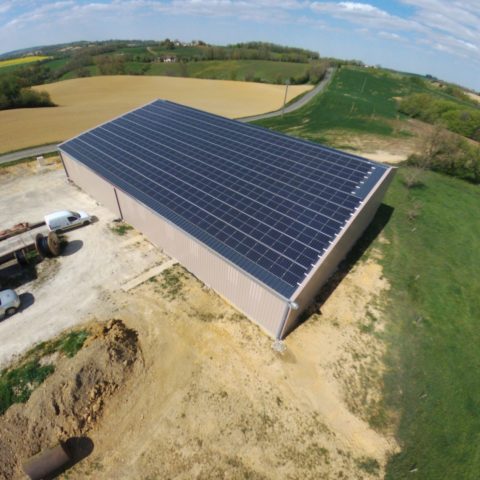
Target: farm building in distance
<point>261,217</point>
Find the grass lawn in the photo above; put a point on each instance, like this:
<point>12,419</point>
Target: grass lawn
<point>56,63</point>
<point>92,69</point>
<point>266,71</point>
<point>140,50</point>
<point>358,99</point>
<point>17,383</point>
<point>433,333</point>
<point>179,52</point>
<point>432,309</point>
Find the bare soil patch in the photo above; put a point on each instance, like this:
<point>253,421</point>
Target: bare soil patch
<point>473,96</point>
<point>410,137</point>
<point>85,102</point>
<point>71,400</point>
<point>215,401</point>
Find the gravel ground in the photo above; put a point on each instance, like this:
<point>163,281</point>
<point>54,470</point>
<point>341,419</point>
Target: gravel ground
<point>76,286</point>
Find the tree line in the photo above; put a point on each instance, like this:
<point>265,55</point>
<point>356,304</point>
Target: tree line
<point>451,154</point>
<point>459,117</point>
<point>14,94</point>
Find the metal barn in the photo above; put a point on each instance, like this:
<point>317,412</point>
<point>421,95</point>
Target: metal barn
<point>262,218</point>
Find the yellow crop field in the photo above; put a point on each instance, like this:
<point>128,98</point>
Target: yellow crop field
<point>21,60</point>
<point>86,102</point>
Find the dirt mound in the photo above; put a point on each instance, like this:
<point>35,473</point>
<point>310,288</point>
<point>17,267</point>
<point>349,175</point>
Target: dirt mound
<point>71,400</point>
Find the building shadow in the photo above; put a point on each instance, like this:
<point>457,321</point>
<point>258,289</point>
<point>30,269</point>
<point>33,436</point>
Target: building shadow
<point>14,275</point>
<point>378,223</point>
<point>71,248</point>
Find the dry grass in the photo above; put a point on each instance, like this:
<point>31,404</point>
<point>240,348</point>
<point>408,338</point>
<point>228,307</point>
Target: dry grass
<point>473,96</point>
<point>86,102</point>
<point>21,60</point>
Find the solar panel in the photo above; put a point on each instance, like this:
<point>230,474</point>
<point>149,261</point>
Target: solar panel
<point>269,203</point>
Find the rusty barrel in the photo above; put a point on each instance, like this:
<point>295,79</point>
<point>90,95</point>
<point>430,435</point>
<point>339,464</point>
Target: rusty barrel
<point>47,462</point>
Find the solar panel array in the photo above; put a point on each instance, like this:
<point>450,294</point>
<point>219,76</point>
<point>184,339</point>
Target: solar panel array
<point>269,203</point>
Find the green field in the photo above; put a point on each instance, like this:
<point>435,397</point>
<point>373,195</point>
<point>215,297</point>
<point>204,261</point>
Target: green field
<point>431,261</point>
<point>179,52</point>
<point>258,70</point>
<point>253,70</point>
<point>56,63</point>
<point>358,99</point>
<point>433,333</point>
<point>92,70</point>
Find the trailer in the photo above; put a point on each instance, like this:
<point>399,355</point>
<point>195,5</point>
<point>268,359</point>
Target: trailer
<point>17,243</point>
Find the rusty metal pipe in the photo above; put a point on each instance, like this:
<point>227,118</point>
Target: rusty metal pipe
<point>46,463</point>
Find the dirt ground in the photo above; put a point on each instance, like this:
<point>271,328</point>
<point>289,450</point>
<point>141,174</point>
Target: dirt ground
<point>391,150</point>
<point>210,398</point>
<point>75,285</point>
<point>86,102</point>
<point>473,96</point>
<point>68,404</point>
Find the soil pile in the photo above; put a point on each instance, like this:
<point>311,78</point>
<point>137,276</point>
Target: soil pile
<point>71,400</point>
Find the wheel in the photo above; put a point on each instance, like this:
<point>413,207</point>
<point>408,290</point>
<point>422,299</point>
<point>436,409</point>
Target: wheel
<point>86,222</point>
<point>11,311</point>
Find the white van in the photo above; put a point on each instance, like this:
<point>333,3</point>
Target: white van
<point>9,302</point>
<point>66,219</point>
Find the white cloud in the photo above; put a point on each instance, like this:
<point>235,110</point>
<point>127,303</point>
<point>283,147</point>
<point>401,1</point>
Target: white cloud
<point>360,7</point>
<point>448,26</point>
<point>364,14</point>
<point>389,35</point>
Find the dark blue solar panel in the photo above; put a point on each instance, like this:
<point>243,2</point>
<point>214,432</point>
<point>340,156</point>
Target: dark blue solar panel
<point>269,203</point>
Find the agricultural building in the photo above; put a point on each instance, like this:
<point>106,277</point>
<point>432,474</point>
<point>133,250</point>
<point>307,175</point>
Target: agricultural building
<point>260,217</point>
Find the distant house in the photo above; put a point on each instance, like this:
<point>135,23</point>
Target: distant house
<point>169,59</point>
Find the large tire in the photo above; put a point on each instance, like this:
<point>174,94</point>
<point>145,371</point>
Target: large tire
<point>11,311</point>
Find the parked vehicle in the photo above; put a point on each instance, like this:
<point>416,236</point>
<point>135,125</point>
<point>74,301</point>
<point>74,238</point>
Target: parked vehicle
<point>9,302</point>
<point>66,219</point>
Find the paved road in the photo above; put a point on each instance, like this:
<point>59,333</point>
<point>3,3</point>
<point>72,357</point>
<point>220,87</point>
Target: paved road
<point>29,152</point>
<point>33,152</point>
<point>295,105</point>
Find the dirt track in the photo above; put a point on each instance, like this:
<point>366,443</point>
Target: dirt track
<point>86,102</point>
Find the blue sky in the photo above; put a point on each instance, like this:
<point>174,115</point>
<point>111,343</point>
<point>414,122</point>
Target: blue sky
<point>440,37</point>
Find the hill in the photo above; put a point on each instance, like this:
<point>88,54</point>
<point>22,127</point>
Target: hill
<point>253,61</point>
<point>86,102</point>
<point>362,111</point>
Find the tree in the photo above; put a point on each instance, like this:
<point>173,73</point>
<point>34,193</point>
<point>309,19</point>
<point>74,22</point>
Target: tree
<point>451,154</point>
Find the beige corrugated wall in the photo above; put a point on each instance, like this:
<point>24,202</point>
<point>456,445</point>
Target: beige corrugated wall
<point>256,301</point>
<point>100,189</point>
<point>338,251</point>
